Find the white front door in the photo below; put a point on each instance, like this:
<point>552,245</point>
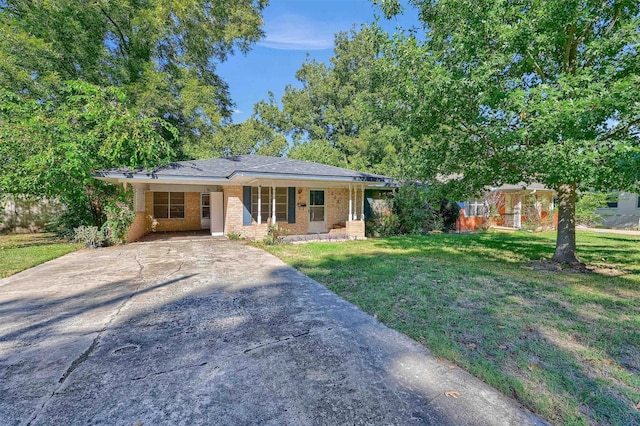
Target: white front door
<point>205,211</point>
<point>317,212</point>
<point>217,213</point>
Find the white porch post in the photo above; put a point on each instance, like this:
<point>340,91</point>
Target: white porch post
<point>273,206</point>
<point>350,204</point>
<point>518,213</point>
<point>362,205</point>
<point>259,204</point>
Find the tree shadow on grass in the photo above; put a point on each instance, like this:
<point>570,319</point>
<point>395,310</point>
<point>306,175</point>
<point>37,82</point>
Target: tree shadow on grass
<point>555,348</point>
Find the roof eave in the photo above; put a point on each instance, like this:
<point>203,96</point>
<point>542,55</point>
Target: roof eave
<point>152,177</point>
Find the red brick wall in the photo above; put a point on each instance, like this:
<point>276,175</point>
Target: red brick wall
<point>469,223</point>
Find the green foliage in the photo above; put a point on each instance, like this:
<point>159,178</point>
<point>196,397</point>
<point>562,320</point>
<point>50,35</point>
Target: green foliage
<point>324,118</point>
<point>416,214</point>
<point>248,137</point>
<point>99,85</point>
<point>233,236</point>
<point>162,54</point>
<point>586,206</point>
<point>415,210</point>
<point>50,148</point>
<point>120,215</point>
<point>90,236</point>
<point>508,92</point>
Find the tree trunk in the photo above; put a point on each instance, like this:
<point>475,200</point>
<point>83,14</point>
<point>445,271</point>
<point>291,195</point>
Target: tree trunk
<point>566,239</point>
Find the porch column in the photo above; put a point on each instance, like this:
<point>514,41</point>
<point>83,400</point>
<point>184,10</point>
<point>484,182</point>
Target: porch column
<point>362,204</point>
<point>273,206</point>
<point>138,197</point>
<point>259,204</point>
<point>518,213</point>
<point>350,204</point>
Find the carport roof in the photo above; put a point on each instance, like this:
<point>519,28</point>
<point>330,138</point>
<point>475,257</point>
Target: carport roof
<point>226,169</point>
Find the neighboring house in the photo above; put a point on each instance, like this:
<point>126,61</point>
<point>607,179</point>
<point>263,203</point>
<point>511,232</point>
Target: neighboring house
<point>246,194</point>
<point>622,211</point>
<point>511,206</point>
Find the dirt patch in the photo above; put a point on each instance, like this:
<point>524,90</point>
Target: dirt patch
<point>548,266</point>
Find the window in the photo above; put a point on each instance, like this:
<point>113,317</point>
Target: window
<point>612,201</point>
<point>266,203</point>
<point>638,201</point>
<point>475,207</point>
<point>168,205</point>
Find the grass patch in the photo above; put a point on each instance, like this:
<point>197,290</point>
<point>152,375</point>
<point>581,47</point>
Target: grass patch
<point>22,251</point>
<point>565,344</point>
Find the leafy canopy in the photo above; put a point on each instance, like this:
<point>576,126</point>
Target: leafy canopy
<point>529,91</point>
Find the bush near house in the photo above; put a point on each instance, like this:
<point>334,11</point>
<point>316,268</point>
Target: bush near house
<point>413,210</point>
<point>563,343</point>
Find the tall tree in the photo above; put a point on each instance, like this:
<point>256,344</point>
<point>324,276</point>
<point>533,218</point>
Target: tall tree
<point>249,137</point>
<point>323,116</point>
<point>501,91</point>
<point>162,53</point>
<point>50,148</point>
<point>111,83</point>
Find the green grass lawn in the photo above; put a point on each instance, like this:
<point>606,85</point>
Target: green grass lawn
<point>22,251</point>
<point>566,344</point>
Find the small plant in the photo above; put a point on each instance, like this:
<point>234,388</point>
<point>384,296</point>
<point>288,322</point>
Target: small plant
<point>233,236</point>
<point>275,234</point>
<point>90,236</point>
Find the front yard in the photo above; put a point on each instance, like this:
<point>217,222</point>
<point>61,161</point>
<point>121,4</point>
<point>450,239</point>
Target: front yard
<point>22,251</point>
<point>565,344</point>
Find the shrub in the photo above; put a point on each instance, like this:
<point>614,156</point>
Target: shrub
<point>275,234</point>
<point>586,206</point>
<point>414,210</point>
<point>120,215</point>
<point>90,236</point>
<point>234,236</point>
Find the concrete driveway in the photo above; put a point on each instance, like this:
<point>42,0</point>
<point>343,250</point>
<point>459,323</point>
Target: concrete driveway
<point>203,331</point>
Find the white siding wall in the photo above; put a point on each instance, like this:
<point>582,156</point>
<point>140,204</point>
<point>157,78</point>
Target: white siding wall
<point>626,215</point>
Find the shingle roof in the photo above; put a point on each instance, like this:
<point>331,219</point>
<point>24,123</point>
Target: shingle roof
<point>221,168</point>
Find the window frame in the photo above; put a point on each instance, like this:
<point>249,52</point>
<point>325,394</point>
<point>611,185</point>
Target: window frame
<point>475,205</point>
<point>266,205</point>
<point>169,205</point>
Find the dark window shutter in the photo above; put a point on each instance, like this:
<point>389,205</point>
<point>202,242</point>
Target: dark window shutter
<point>367,205</point>
<point>291,206</point>
<point>246,201</point>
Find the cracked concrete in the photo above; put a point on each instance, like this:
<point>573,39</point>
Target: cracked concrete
<point>200,332</point>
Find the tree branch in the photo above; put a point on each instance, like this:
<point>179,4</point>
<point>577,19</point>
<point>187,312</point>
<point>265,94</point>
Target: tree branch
<point>123,40</point>
<point>619,130</point>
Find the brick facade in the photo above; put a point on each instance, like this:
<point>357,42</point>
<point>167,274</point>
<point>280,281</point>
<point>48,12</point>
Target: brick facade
<point>191,221</point>
<point>139,227</point>
<point>336,214</point>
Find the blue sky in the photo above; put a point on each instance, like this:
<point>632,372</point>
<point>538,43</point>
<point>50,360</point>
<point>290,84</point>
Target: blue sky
<point>294,28</point>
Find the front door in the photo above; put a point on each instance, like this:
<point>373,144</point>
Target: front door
<point>317,213</point>
<point>205,211</point>
<point>217,213</point>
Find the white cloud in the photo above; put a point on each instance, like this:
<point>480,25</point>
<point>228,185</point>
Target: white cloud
<point>295,32</point>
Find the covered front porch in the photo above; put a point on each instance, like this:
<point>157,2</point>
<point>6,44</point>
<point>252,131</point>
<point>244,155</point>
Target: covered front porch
<point>249,211</point>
